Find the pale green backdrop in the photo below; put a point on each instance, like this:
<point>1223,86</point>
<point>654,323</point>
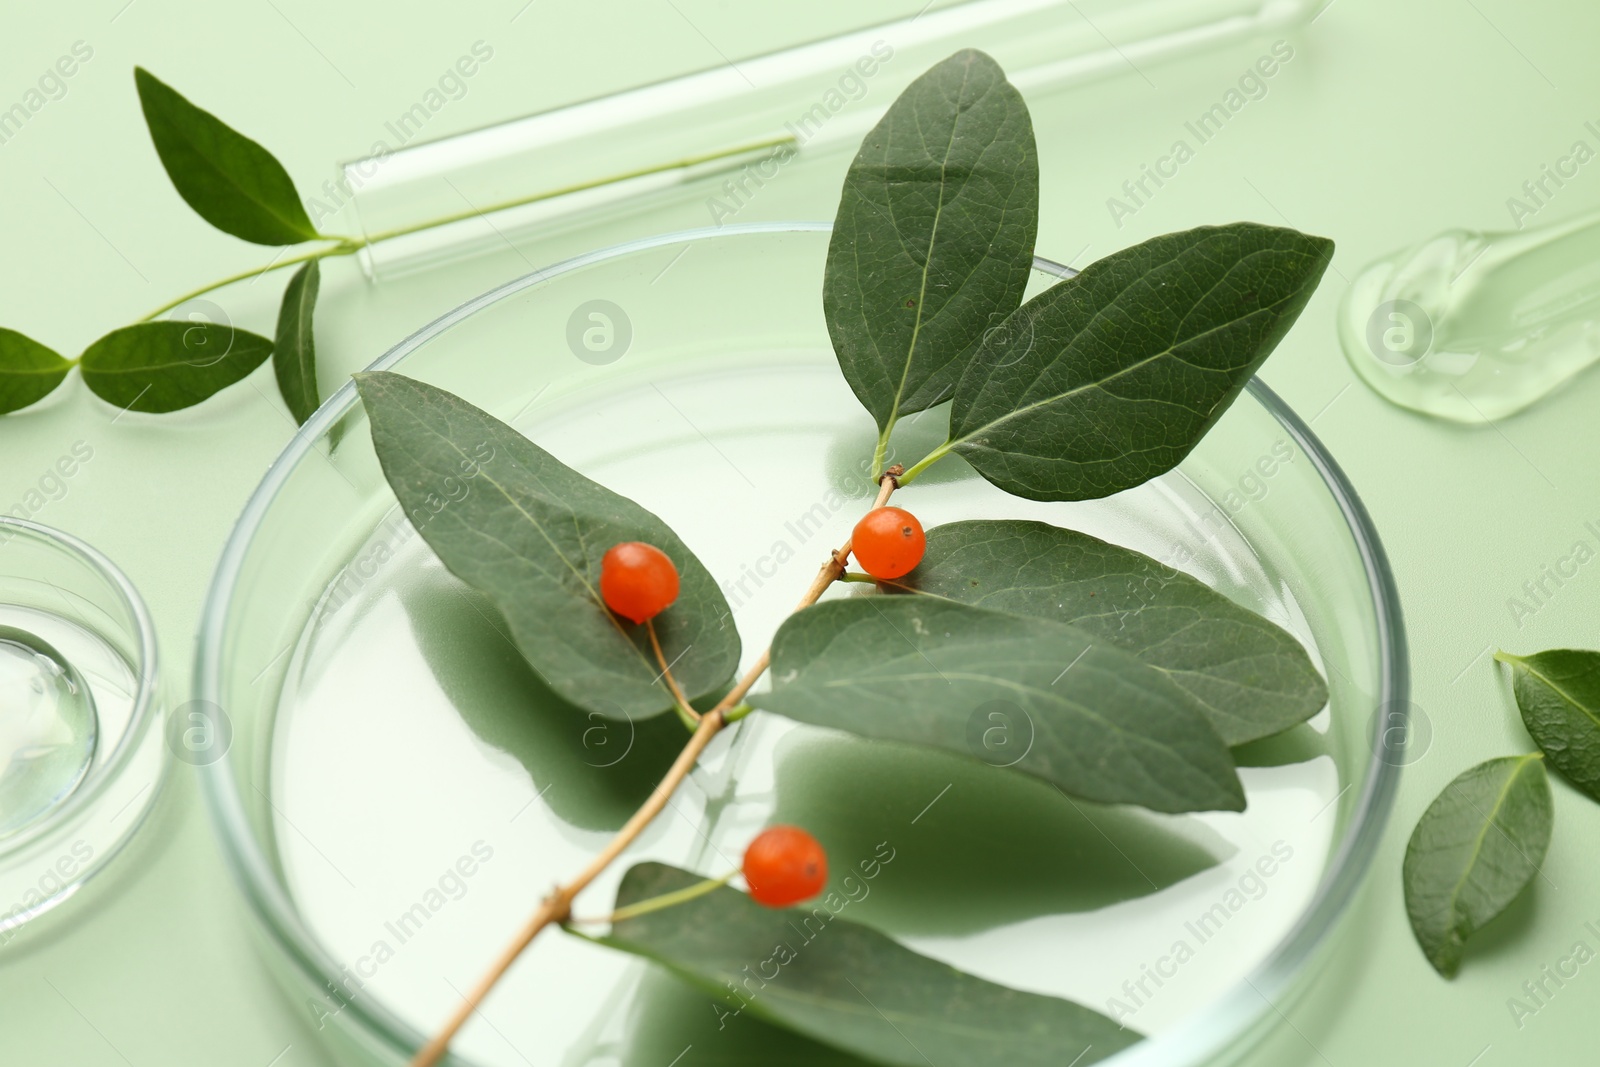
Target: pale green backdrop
<point>1393,121</point>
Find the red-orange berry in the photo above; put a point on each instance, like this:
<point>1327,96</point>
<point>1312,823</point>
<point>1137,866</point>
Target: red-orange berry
<point>785,865</point>
<point>888,542</point>
<point>637,581</point>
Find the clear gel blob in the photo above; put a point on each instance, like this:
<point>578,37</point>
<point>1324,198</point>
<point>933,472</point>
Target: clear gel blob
<point>1476,326</point>
<point>48,729</point>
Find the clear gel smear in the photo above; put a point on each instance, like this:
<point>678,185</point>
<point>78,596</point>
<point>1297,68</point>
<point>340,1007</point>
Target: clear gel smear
<point>1473,327</point>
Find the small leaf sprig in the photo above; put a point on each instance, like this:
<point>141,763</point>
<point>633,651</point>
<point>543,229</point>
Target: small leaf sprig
<point>232,182</point>
<point>1100,383</point>
<point>1483,840</point>
<point>157,365</point>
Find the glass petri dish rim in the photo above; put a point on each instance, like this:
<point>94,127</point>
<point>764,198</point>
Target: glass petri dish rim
<point>1190,1043</point>
<point>145,704</point>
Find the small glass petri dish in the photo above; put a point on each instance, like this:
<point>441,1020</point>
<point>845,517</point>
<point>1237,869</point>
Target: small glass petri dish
<point>82,752</point>
<point>399,792</point>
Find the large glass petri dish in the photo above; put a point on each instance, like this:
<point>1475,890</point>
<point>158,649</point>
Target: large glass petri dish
<point>399,791</point>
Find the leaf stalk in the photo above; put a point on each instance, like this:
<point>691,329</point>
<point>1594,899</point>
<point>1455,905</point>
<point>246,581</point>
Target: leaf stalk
<point>660,903</point>
<point>925,462</point>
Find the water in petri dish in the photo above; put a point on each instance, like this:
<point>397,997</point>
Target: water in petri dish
<point>48,728</point>
<point>1473,327</point>
<point>426,789</point>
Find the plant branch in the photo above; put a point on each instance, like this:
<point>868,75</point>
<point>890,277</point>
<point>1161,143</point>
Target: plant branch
<point>557,906</point>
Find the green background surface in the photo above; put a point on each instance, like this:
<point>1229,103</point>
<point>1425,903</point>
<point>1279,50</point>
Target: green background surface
<point>1392,122</point>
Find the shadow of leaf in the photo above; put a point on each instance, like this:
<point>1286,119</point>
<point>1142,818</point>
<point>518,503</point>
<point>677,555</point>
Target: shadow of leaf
<point>964,833</point>
<point>849,455</point>
<point>591,771</point>
<point>674,1019</point>
<point>1298,744</point>
<point>1506,936</point>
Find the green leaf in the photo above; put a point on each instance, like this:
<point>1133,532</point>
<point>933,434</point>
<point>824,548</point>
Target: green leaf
<point>164,366</point>
<point>294,355</point>
<point>29,371</point>
<point>1251,677</point>
<point>1558,693</point>
<point>1080,712</point>
<point>1475,849</point>
<point>848,986</point>
<point>230,181</point>
<point>934,236</point>
<point>513,521</point>
<point>1108,379</point>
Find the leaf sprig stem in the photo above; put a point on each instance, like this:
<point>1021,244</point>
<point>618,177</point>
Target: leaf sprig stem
<point>346,246</point>
<point>349,246</point>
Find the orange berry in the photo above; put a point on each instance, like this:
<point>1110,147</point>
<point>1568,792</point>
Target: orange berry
<point>785,865</point>
<point>637,581</point>
<point>888,542</point>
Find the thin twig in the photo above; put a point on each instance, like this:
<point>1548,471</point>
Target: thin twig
<point>346,247</point>
<point>557,906</point>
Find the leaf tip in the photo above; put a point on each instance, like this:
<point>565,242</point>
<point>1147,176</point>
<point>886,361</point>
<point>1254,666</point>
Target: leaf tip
<point>973,55</point>
<point>146,84</point>
<point>1446,960</point>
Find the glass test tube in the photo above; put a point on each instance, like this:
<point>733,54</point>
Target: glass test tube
<point>562,167</point>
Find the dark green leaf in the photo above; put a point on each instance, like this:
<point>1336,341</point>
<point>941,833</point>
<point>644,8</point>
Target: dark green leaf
<point>848,986</point>
<point>1475,849</point>
<point>516,523</point>
<point>1251,677</point>
<point>1075,709</point>
<point>230,181</point>
<point>934,236</point>
<point>294,355</point>
<point>1558,693</point>
<point>164,366</point>
<point>1108,379</point>
<point>28,371</point>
